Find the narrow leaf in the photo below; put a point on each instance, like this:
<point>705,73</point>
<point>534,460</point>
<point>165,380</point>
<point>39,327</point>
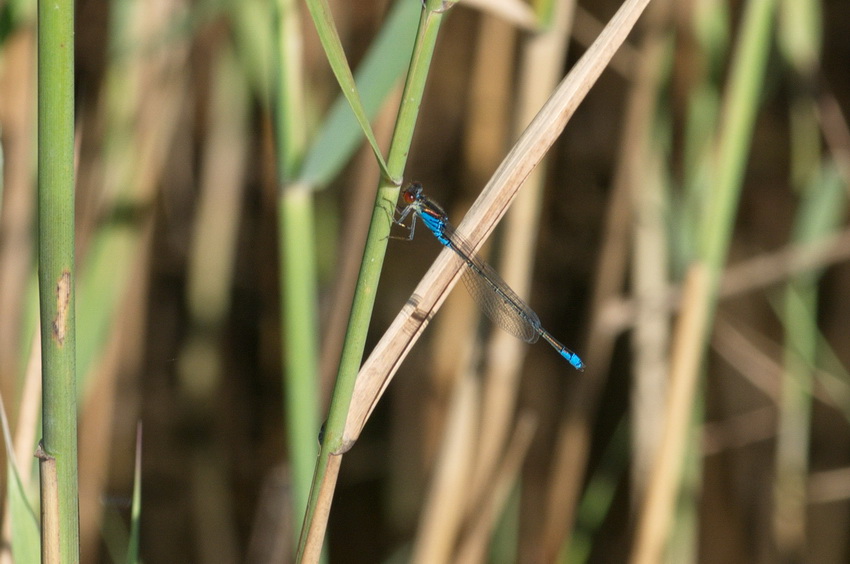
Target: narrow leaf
<point>321,14</point>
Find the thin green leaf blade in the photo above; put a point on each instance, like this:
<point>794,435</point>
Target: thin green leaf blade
<point>26,536</point>
<point>382,67</point>
<point>321,14</point>
<point>136,509</point>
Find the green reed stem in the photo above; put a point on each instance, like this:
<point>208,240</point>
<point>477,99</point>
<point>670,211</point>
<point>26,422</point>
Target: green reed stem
<point>370,270</point>
<point>56,261</point>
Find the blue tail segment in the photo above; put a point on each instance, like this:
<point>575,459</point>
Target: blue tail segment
<point>574,360</point>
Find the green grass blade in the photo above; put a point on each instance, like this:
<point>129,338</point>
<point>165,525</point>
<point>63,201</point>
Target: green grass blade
<point>25,536</point>
<point>821,213</point>
<point>735,134</point>
<point>288,104</point>
<point>103,281</point>
<point>321,14</point>
<point>376,76</point>
<point>136,509</point>
<point>300,327</point>
<point>26,543</point>
<point>799,33</point>
<point>296,245</point>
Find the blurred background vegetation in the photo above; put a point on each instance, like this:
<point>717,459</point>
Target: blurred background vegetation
<point>181,286</point>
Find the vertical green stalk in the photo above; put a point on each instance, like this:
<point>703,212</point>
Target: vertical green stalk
<point>735,133</point>
<point>297,259</point>
<point>820,214</point>
<point>56,258</point>
<point>379,228</point>
<point>298,317</point>
<point>370,270</point>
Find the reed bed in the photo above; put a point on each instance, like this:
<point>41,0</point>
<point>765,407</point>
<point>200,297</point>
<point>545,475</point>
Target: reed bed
<point>265,374</point>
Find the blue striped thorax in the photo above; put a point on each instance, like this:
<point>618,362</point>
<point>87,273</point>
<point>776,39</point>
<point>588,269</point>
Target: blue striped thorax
<point>432,214</point>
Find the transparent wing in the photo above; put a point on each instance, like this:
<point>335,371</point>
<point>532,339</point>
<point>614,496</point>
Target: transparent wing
<point>492,294</point>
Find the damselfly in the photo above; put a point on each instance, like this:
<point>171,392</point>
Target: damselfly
<point>501,304</point>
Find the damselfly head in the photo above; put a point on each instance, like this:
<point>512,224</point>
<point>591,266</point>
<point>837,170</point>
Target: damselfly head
<point>412,193</point>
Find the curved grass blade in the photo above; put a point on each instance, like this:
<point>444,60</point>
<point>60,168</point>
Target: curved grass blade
<point>376,76</point>
<point>321,14</point>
